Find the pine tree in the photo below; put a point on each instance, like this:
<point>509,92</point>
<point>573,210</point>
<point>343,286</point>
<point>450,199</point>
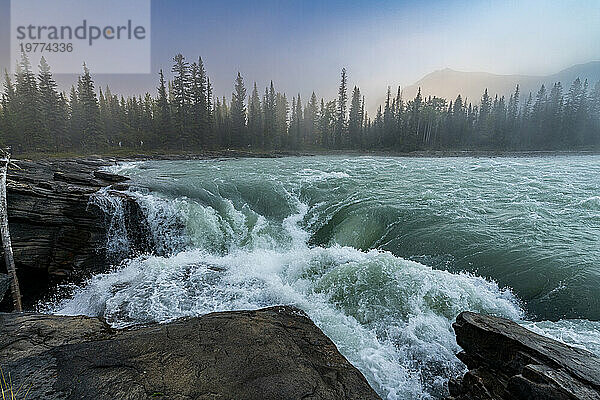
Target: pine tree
<point>576,114</point>
<point>90,112</point>
<point>513,117</point>
<point>269,117</point>
<point>11,135</point>
<point>538,116</point>
<point>322,137</point>
<point>399,123</point>
<point>212,139</point>
<point>355,119</point>
<point>311,118</point>
<point>180,101</point>
<point>27,99</point>
<point>203,101</point>
<point>50,110</point>
<point>293,143</point>
<point>297,139</point>
<point>282,110</point>
<point>499,117</point>
<point>363,127</point>
<point>75,123</point>
<point>196,92</point>
<point>554,116</point>
<point>413,132</point>
<point>378,128</point>
<point>255,125</point>
<point>163,114</point>
<point>388,120</point>
<point>526,137</point>
<point>340,125</point>
<point>238,113</point>
<point>483,121</point>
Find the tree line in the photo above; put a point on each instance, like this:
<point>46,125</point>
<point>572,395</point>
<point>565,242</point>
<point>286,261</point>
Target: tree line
<point>185,115</point>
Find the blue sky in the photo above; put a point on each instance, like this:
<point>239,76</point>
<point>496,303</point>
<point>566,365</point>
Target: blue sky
<point>302,45</point>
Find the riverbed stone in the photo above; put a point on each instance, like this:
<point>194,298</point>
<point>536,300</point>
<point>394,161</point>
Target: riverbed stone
<point>507,361</point>
<point>273,353</point>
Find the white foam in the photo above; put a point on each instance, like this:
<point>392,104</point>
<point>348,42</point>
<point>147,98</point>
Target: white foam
<point>390,317</point>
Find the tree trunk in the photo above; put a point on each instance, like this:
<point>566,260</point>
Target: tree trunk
<point>5,233</point>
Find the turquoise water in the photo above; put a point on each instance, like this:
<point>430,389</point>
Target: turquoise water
<point>382,253</point>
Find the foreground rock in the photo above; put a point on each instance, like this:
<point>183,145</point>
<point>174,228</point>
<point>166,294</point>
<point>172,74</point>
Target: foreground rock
<point>507,361</point>
<point>55,232</point>
<point>274,353</point>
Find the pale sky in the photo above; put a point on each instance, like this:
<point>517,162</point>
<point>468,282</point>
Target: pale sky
<point>302,45</point>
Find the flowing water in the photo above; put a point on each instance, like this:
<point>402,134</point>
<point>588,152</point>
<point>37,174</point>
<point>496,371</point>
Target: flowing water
<point>382,253</point>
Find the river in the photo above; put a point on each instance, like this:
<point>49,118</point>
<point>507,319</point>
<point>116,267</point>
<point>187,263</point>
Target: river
<point>381,252</point>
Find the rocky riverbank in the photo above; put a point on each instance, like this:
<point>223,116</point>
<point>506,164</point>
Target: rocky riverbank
<point>56,233</point>
<point>274,353</point>
<point>509,362</point>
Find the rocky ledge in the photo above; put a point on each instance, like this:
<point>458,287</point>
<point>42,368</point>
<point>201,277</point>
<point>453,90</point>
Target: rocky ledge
<point>274,353</point>
<point>507,361</point>
<point>56,233</point>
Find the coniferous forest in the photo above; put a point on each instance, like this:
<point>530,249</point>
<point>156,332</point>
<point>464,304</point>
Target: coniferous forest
<point>184,115</point>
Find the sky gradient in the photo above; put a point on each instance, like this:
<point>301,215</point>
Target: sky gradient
<point>302,45</point>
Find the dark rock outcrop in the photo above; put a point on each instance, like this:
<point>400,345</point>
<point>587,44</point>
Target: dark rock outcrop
<point>55,233</point>
<point>4,285</point>
<point>274,353</point>
<point>507,361</point>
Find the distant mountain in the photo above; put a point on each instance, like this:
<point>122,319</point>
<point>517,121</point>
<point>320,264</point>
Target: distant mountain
<point>448,83</point>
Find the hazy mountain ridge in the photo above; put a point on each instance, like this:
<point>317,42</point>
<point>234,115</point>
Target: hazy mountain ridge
<point>448,83</point>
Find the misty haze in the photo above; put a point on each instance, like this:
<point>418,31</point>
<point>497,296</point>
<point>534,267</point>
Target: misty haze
<point>301,200</point>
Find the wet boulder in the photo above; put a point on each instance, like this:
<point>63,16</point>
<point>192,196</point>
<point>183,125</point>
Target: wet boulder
<point>273,353</point>
<point>507,361</point>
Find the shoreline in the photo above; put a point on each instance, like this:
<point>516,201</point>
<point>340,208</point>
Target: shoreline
<point>235,153</point>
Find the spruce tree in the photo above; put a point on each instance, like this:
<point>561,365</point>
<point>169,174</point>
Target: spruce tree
<point>27,100</point>
<point>180,101</point>
<point>399,123</point>
<point>212,139</point>
<point>282,110</point>
<point>11,136</point>
<point>269,117</point>
<point>255,125</point>
<point>388,120</point>
<point>298,139</point>
<point>355,118</point>
<point>203,101</point>
<point>163,114</point>
<point>50,110</point>
<point>238,113</point>
<point>89,112</point>
<point>340,125</point>
<point>554,125</point>
<point>311,118</point>
<point>538,116</point>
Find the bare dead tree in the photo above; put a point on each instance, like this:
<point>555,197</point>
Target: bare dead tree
<point>5,233</point>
